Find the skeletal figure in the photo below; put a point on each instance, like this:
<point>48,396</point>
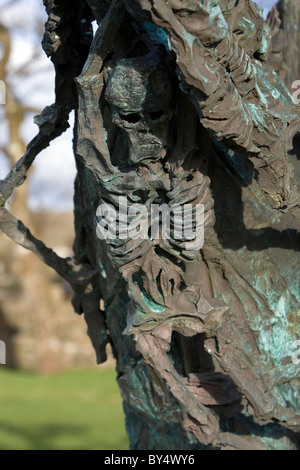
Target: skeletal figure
<point>163,274</point>
<point>140,94</point>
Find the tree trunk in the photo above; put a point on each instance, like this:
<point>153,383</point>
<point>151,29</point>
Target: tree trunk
<point>177,106</point>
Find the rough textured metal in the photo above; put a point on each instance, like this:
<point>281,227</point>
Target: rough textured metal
<point>177,103</point>
<point>225,124</point>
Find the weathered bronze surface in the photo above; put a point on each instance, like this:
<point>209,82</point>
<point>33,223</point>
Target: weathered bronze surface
<point>179,103</point>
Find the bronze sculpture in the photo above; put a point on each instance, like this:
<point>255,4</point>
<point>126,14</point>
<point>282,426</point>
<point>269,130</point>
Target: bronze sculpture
<point>177,105</point>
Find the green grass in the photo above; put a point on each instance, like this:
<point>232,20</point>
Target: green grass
<point>79,410</point>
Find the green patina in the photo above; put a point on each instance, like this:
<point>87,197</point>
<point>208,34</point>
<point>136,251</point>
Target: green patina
<point>154,307</point>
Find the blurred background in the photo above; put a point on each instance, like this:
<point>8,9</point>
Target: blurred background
<point>52,394</point>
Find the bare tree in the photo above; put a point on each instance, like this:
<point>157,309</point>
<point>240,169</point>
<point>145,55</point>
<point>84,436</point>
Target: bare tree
<point>13,114</point>
<point>175,104</point>
<point>37,340</point>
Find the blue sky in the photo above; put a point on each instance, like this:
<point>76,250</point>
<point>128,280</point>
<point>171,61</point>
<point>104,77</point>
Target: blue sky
<point>266,4</point>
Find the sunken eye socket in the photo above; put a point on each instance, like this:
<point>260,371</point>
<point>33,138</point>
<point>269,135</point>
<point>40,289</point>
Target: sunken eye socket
<point>156,115</point>
<point>132,118</point>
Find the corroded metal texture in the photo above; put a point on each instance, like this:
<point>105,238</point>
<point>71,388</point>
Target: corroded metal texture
<point>189,111</point>
<point>287,40</point>
<point>178,104</point>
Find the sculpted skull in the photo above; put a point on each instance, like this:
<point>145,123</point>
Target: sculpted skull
<point>140,95</point>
